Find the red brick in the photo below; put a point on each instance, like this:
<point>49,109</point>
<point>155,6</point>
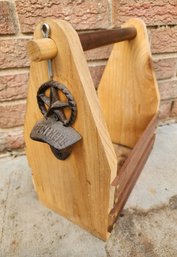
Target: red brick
<point>100,53</point>
<point>163,40</point>
<point>157,12</point>
<point>13,53</point>
<point>168,89</point>
<point>12,115</point>
<point>13,87</point>
<point>7,24</point>
<point>11,140</point>
<point>174,108</point>
<point>165,108</point>
<point>165,68</point>
<point>82,14</point>
<point>96,73</point>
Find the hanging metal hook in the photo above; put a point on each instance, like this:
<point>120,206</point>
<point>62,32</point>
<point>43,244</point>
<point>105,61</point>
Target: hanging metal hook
<point>46,31</point>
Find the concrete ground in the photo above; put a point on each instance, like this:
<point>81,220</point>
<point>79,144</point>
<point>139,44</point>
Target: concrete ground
<point>147,227</point>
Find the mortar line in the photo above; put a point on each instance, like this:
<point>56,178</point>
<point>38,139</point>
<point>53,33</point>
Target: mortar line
<point>18,128</point>
<point>14,71</point>
<point>14,153</point>
<point>13,102</point>
<point>172,99</point>
<point>175,72</point>
<point>16,36</point>
<point>157,56</point>
<point>110,14</point>
<point>96,63</point>
<point>172,79</point>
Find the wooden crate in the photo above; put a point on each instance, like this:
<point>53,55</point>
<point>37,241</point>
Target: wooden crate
<point>117,126</point>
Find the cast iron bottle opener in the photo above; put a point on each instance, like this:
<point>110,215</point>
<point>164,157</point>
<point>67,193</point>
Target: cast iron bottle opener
<point>55,129</point>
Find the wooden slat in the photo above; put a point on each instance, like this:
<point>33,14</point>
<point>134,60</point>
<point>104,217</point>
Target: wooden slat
<point>122,154</point>
<point>122,195</point>
<point>128,167</point>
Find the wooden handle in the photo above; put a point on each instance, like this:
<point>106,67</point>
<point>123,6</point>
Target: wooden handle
<point>96,39</point>
<point>41,49</point>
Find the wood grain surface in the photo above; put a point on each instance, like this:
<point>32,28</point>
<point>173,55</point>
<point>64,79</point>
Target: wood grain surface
<point>117,133</point>
<point>130,170</point>
<point>128,91</point>
<point>79,187</point>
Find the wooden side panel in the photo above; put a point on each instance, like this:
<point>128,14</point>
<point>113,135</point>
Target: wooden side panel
<point>131,169</point>
<point>78,187</point>
<point>128,91</point>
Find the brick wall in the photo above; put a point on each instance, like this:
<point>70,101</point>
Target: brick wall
<point>17,21</point>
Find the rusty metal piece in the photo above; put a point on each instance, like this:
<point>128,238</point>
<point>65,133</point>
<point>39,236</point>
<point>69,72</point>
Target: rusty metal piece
<point>91,40</point>
<point>55,106</point>
<point>55,134</point>
<point>55,129</point>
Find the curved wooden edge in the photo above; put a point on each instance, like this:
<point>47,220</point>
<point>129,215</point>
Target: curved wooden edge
<point>128,91</point>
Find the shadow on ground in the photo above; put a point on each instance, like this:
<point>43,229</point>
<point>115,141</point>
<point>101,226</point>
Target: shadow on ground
<point>145,234</point>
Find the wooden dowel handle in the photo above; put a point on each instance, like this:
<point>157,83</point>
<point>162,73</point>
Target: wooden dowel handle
<point>91,40</point>
<point>45,48</point>
<point>42,49</point>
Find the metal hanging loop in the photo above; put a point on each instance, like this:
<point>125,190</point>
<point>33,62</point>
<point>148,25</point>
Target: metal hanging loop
<point>46,31</point>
